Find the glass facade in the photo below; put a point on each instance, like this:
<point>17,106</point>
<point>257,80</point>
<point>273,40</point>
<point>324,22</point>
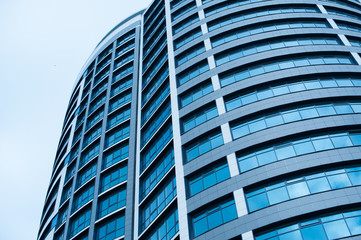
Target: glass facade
<point>214,119</point>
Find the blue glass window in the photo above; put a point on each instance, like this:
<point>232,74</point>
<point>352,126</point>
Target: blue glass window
<point>154,149</point>
<point>208,177</point>
<point>155,124</point>
<point>113,178</point>
<point>118,117</point>
<point>183,10</point>
<point>156,204</point>
<point>79,222</point>
<point>296,148</point>
<point>302,186</point>
<point>86,174</point>
<point>166,229</point>
<point>186,38</point>
<point>255,70</point>
<point>244,32</point>
<point>112,202</point>
<point>94,118</point>
<point>199,116</point>
<point>185,23</point>
<point>195,93</point>
<point>92,135</point>
<point>119,153</point>
<point>213,217</point>
<point>189,54</point>
<point>192,72</point>
<point>149,181</point>
<point>83,197</point>
<point>112,229</point>
<point>89,154</point>
<point>246,98</point>
<point>120,100</point>
<point>301,113</point>
<point>203,145</point>
<point>121,85</point>
<point>326,227</point>
<point>116,135</point>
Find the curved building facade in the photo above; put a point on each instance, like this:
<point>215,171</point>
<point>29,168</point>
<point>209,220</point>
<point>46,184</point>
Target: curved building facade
<point>215,119</point>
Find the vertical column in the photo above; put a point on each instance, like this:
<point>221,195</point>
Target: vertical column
<point>178,159</point>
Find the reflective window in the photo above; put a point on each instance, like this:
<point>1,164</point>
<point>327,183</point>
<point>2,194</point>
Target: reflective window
<point>175,3</point>
<point>123,59</point>
<point>86,174</point>
<point>92,135</point>
<point>185,23</point>
<point>118,117</point>
<point>301,113</point>
<point>356,42</point>
<point>245,98</point>
<point>238,52</point>
<point>265,27</point>
<point>183,10</point>
<point>155,103</point>
<point>167,228</point>
<point>114,177</point>
<point>272,66</point>
<point>122,72</point>
<point>158,144</point>
<point>213,217</point>
<point>120,100</point>
<point>203,145</point>
<point>189,54</point>
<point>116,135</point>
<point>94,118</point>
<point>111,229</point>
<point>297,148</point>
<point>195,93</point>
<point>156,204</point>
<point>79,222</point>
<point>97,103</point>
<point>336,226</point>
<point>343,13</point>
<point>186,38</point>
<point>89,154</point>
<point>349,26</point>
<point>244,15</point>
<point>229,4</point>
<point>121,85</point>
<point>119,153</point>
<point>208,177</point>
<point>149,181</point>
<point>124,48</point>
<point>153,70</point>
<point>199,116</point>
<point>155,124</point>
<point>192,72</point>
<point>155,84</point>
<point>83,197</point>
<point>302,186</point>
<point>112,202</point>
<point>99,89</point>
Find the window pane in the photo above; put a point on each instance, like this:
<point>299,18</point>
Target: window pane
<point>322,144</point>
<point>274,120</point>
<point>277,195</point>
<point>257,202</point>
<point>336,229</point>
<point>256,126</point>
<point>295,235</point>
<point>355,177</point>
<point>200,227</point>
<point>229,213</point>
<point>240,131</point>
<point>356,139</point>
<point>267,157</point>
<point>341,141</point>
<point>343,109</point>
<point>339,181</point>
<point>298,190</point>
<point>209,180</point>
<point>214,219</point>
<point>354,225</point>
<point>304,148</point>
<point>248,163</point>
<point>318,185</point>
<point>308,113</point>
<point>285,152</point>
<point>314,232</point>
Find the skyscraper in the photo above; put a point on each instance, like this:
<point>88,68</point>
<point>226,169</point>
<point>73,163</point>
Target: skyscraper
<point>215,119</point>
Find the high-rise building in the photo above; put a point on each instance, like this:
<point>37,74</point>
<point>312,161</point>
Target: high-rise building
<point>215,119</point>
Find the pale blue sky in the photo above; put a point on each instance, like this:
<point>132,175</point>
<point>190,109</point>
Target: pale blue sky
<point>43,45</point>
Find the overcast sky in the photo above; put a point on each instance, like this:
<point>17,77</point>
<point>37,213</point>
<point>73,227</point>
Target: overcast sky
<point>43,45</point>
